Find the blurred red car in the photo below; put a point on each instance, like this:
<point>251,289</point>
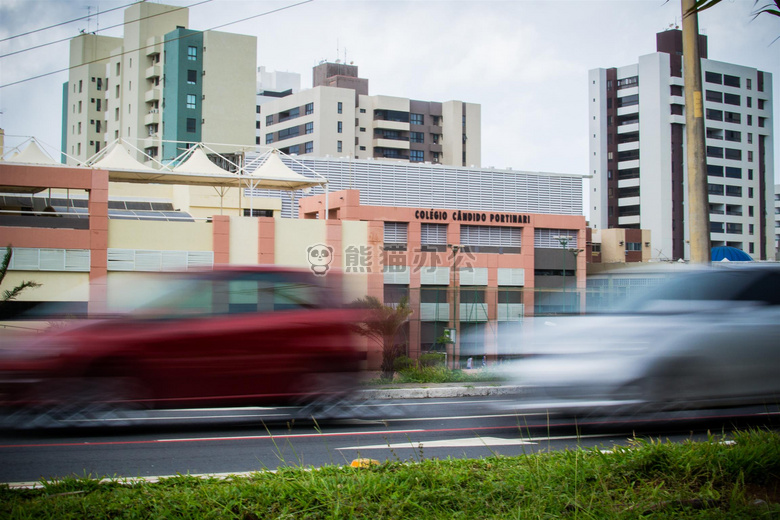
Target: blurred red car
<point>227,337</point>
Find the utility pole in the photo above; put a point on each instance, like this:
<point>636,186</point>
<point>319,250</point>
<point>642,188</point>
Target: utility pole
<point>696,159</point>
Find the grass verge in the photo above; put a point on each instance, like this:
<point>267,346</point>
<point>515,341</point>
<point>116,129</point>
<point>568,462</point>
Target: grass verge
<point>713,480</point>
<point>437,374</point>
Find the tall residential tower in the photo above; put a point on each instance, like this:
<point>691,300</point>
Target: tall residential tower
<point>637,151</point>
<point>160,81</point>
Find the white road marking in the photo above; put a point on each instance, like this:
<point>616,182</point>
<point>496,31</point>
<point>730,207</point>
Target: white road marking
<point>472,442</point>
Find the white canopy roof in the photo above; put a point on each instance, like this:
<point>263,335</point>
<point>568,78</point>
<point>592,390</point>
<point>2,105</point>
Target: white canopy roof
<point>274,174</point>
<point>199,163</point>
<point>33,154</point>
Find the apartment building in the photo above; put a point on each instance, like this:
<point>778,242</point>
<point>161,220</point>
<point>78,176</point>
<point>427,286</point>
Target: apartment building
<point>338,118</point>
<point>159,82</point>
<point>637,151</point>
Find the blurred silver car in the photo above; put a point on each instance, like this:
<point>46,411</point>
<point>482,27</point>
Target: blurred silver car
<point>707,338</point>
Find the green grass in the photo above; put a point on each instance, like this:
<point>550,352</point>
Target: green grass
<point>706,480</point>
<point>437,374</point>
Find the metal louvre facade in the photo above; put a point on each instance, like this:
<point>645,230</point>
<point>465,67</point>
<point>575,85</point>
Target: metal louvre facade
<point>383,183</point>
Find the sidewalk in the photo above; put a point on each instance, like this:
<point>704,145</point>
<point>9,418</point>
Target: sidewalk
<point>439,390</point>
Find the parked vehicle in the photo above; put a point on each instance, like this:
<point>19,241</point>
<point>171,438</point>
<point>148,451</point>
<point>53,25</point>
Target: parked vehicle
<point>227,337</point>
<point>701,339</point>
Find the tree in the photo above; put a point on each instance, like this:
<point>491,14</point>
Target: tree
<point>382,324</point>
<point>11,294</point>
<point>769,8</point>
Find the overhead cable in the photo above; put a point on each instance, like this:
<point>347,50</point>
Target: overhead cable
<point>103,29</point>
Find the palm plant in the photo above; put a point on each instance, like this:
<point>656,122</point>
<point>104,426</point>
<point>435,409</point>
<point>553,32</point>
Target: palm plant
<point>381,324</point>
<point>11,294</point>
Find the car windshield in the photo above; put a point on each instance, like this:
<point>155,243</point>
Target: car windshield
<point>232,293</point>
<point>707,287</point>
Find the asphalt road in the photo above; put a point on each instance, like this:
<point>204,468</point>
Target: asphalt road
<point>223,441</point>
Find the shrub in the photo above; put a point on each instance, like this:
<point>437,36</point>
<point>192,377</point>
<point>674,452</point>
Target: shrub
<point>432,359</point>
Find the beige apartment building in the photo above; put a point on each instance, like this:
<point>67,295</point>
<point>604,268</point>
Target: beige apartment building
<point>338,118</point>
<point>159,83</point>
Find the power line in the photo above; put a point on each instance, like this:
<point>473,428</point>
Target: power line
<point>152,45</point>
<point>65,23</point>
<point>103,29</point>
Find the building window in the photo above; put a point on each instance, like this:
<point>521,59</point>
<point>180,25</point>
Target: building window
<point>191,124</point>
<point>416,137</point>
<point>191,100</point>
<point>416,155</point>
<point>99,83</point>
<point>269,120</point>
<point>731,81</point>
<point>269,138</point>
<point>192,53</point>
<point>309,128</point>
<point>731,99</point>
<point>288,133</point>
<point>308,147</point>
<point>713,77</point>
<point>417,119</point>
<point>339,127</point>
<point>340,107</point>
<point>338,146</point>
<point>714,115</point>
<point>97,105</point>
<point>714,96</point>
<point>192,77</point>
<point>309,109</point>
<point>749,101</point>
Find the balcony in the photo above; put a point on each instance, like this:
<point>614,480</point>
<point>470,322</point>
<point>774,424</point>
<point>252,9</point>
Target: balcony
<point>153,117</point>
<point>624,147</point>
<point>384,124</point>
<point>628,183</point>
<point>628,201</point>
<point>628,128</point>
<point>155,71</point>
<point>627,221</point>
<point>397,144</point>
<point>154,94</point>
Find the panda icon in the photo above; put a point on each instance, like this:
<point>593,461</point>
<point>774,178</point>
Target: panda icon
<point>320,256</point>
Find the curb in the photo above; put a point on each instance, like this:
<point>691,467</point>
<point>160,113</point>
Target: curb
<point>440,392</point>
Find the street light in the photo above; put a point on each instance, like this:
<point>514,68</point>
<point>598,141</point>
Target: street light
<point>575,252</point>
<point>455,326</point>
<point>564,241</point>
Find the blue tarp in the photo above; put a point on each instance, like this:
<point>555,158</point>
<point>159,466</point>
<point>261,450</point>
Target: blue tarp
<point>732,254</point>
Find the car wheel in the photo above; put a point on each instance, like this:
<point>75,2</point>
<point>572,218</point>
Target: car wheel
<point>82,402</point>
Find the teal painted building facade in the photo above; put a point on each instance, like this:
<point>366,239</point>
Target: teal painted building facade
<point>182,112</point>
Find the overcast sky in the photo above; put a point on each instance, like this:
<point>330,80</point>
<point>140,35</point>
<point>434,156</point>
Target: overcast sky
<point>525,62</point>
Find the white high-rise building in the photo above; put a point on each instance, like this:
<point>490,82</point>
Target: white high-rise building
<point>637,151</point>
<point>338,118</point>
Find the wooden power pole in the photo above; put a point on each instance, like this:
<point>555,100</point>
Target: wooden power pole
<point>696,158</point>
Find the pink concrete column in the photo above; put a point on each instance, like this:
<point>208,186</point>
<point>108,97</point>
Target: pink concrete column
<point>266,233</point>
<point>221,238</point>
<point>98,242</point>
